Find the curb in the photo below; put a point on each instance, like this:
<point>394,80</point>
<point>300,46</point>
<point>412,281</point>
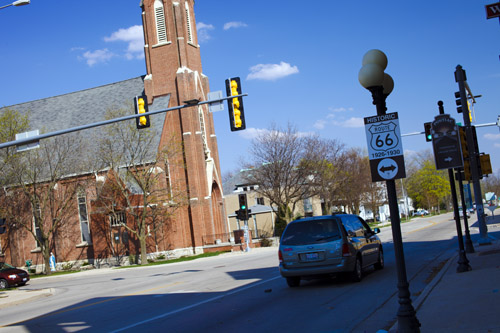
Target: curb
<point>30,297</point>
<point>427,290</point>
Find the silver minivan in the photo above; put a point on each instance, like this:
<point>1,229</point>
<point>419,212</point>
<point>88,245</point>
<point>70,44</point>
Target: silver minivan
<point>327,245</point>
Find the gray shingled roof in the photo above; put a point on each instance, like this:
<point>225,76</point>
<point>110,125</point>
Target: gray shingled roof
<point>230,185</point>
<point>257,209</point>
<point>89,106</point>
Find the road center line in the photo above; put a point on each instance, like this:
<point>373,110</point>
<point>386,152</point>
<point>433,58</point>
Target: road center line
<point>195,305</point>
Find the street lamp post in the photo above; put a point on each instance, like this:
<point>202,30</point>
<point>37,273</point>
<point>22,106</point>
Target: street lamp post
<point>17,3</point>
<point>372,77</point>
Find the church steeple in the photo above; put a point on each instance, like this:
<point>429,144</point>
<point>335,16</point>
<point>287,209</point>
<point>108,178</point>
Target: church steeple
<point>173,65</point>
<point>171,43</point>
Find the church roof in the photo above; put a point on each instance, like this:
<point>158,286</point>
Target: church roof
<point>89,106</point>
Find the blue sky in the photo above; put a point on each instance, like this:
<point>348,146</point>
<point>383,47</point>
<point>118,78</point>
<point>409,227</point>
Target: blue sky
<point>298,60</point>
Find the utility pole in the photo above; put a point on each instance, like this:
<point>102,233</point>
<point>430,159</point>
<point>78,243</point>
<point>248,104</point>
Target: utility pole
<point>461,79</point>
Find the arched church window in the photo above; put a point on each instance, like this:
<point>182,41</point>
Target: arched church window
<point>82,212</point>
<point>161,27</point>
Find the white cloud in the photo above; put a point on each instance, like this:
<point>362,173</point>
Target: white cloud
<point>353,122</point>
<point>97,56</point>
<point>334,118</point>
<point>203,31</point>
<point>496,145</point>
<point>341,109</point>
<point>271,72</point>
<point>490,136</point>
<point>230,25</point>
<point>320,124</point>
<point>134,37</point>
<point>252,133</point>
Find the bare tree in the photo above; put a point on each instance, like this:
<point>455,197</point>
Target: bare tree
<point>374,196</point>
<point>326,161</point>
<point>12,123</point>
<point>357,179</point>
<point>44,179</point>
<point>492,183</point>
<point>138,183</point>
<point>276,157</point>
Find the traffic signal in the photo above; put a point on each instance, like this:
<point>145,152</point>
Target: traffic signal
<point>243,207</point>
<point>465,152</point>
<point>476,149</point>
<point>458,101</point>
<point>428,131</point>
<point>235,105</point>
<point>141,106</point>
<point>3,227</point>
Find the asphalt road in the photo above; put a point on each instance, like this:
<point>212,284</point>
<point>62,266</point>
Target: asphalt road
<point>233,292</point>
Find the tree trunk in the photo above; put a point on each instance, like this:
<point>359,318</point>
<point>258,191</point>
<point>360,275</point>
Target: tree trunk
<point>144,253</point>
<point>46,256</point>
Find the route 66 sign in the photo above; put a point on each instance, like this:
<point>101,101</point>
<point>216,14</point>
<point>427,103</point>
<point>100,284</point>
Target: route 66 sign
<point>383,136</point>
<point>385,149</point>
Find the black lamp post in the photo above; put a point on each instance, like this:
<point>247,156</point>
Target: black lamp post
<point>372,77</point>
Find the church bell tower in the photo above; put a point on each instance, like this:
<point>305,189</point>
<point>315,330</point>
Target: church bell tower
<point>173,66</point>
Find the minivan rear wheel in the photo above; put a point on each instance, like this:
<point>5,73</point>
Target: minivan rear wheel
<point>357,273</point>
<point>293,281</point>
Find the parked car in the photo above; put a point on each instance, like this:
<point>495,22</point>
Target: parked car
<point>461,212</point>
<point>420,212</point>
<point>327,245</point>
<point>11,276</point>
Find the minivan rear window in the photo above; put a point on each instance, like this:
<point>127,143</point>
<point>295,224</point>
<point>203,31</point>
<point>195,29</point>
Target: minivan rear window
<point>311,232</point>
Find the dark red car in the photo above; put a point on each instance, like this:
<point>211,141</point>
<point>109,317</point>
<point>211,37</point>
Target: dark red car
<point>11,276</point>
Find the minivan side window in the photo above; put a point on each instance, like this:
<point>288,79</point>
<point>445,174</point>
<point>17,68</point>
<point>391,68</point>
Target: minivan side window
<point>353,226</point>
<point>365,225</point>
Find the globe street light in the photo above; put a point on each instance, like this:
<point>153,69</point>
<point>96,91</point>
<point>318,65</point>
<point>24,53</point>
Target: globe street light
<point>372,77</point>
<point>17,3</point>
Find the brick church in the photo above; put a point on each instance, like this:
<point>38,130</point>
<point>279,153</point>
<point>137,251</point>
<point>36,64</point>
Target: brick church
<point>173,75</point>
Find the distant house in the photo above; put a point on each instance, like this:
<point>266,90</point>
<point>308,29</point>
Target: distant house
<point>263,215</point>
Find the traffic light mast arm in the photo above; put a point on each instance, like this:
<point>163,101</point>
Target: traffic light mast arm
<point>478,125</point>
<point>104,122</point>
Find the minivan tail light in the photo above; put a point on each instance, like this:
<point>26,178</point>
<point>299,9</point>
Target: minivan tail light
<point>346,251</point>
<point>280,256</point>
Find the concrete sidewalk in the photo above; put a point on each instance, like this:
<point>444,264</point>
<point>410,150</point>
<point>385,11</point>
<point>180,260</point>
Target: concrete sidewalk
<point>468,301</point>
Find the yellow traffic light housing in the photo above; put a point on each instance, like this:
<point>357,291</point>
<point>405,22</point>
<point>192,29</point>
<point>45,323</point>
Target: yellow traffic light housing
<point>235,105</point>
<point>141,107</point>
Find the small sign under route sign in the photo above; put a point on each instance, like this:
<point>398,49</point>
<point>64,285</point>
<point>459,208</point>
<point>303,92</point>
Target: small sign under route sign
<point>385,149</point>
